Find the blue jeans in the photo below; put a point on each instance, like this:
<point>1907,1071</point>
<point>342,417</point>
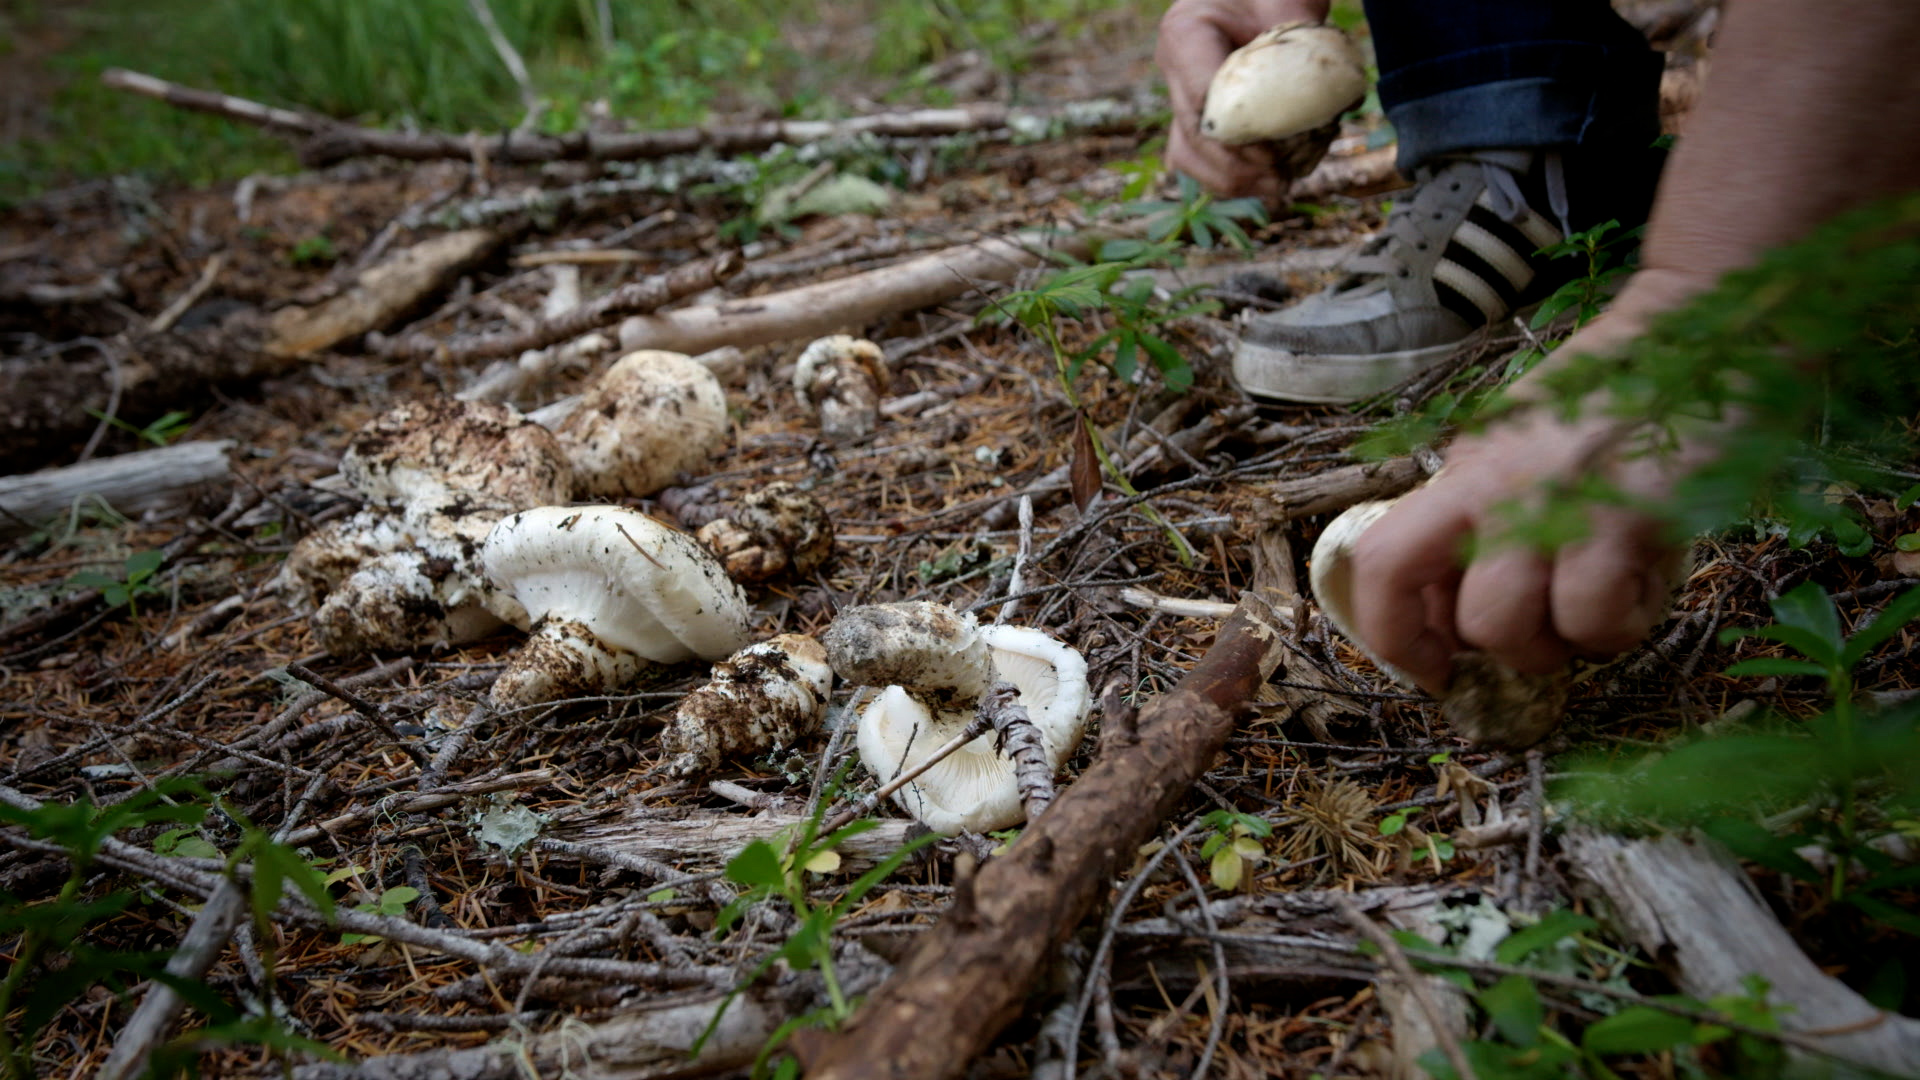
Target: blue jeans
<point>1564,75</point>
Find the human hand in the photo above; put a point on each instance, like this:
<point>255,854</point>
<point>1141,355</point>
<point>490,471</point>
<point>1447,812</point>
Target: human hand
<point>1195,38</point>
<point>1415,606</point>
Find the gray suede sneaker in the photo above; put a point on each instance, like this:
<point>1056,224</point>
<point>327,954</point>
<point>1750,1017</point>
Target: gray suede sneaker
<point>1457,254</point>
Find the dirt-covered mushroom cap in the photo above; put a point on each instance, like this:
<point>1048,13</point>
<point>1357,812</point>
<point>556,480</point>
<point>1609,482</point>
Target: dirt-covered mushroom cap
<point>976,788</point>
<point>1295,78</point>
<point>764,697</point>
<point>841,378</point>
<point>778,530</point>
<point>397,580</point>
<point>1487,703</point>
<point>650,417</point>
<point>436,445</point>
<point>930,647</point>
<point>608,591</point>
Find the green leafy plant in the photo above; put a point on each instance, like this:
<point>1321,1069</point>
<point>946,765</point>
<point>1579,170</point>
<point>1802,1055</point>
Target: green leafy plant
<point>392,903</point>
<point>134,581</point>
<point>1835,762</point>
<point>1234,845</point>
<point>1198,217</point>
<point>35,989</point>
<point>315,250</point>
<point>766,871</point>
<point>160,432</point>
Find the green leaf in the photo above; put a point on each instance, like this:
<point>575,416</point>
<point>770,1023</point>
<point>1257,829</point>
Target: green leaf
<point>1392,824</point>
<point>1750,841</point>
<point>1809,608</point>
<point>1807,642</point>
<point>1174,369</point>
<point>1552,927</point>
<point>1637,1029</point>
<point>92,579</point>
<point>1896,917</point>
<point>1900,611</point>
<point>1770,665</point>
<point>1225,869</point>
<point>1907,542</point>
<point>1553,306</point>
<point>144,563</point>
<point>661,896</point>
<point>757,864</point>
<point>1513,1005</point>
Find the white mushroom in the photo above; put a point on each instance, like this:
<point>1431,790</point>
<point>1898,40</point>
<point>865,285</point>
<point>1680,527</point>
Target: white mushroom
<point>841,377</point>
<point>1487,703</point>
<point>931,658</point>
<point>780,529</point>
<point>650,417</point>
<point>1290,86</point>
<point>761,698</point>
<point>609,590</point>
<point>430,447</point>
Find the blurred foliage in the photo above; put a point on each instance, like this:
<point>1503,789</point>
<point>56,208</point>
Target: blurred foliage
<point>429,63</point>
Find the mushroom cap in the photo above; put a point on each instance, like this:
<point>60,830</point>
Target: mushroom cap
<point>429,447</point>
<point>927,647</point>
<point>1487,703</point>
<point>763,697</point>
<point>635,584</point>
<point>387,581</point>
<point>975,788</point>
<point>1294,78</point>
<point>777,530</point>
<point>841,377</point>
<point>650,417</point>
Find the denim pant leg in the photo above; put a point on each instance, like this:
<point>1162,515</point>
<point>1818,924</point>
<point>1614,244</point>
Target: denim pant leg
<point>1566,75</point>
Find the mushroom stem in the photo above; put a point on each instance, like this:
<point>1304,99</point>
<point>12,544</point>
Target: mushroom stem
<point>562,658</point>
<point>1020,741</point>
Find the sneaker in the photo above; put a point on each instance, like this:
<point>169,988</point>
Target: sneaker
<point>1459,253</point>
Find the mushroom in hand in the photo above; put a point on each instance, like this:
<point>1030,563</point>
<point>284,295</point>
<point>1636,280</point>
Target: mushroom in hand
<point>935,664</point>
<point>1288,87</point>
<point>608,591</point>
<point>1488,703</point>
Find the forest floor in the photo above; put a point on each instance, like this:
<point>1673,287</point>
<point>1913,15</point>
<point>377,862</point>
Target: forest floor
<point>394,781</point>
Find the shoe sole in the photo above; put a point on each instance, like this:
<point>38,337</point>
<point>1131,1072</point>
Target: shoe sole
<point>1274,374</point>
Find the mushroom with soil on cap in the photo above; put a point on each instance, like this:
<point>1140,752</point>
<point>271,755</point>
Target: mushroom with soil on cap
<point>841,378</point>
<point>935,663</point>
<point>1288,87</point>
<point>608,591</point>
<point>778,530</point>
<point>1488,703</point>
<point>764,697</point>
<point>405,572</point>
<point>650,417</point>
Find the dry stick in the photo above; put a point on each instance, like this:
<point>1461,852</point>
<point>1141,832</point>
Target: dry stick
<point>637,298</point>
<point>1021,743</point>
<point>422,802</point>
<point>164,321</point>
<point>365,708</point>
<point>509,56</point>
<point>332,141</point>
<point>968,976</point>
<point>1396,959</point>
<point>1016,580</point>
<point>1218,1025</point>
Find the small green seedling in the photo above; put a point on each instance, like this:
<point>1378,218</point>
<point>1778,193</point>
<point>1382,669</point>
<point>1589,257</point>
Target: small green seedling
<point>135,580</point>
<point>1234,845</point>
<point>160,432</point>
<point>392,903</point>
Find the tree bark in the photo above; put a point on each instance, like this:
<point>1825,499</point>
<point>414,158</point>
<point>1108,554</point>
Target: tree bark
<point>968,976</point>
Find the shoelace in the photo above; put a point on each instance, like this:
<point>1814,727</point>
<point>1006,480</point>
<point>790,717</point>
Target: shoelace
<point>1376,258</point>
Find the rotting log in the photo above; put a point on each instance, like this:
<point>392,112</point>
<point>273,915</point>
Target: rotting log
<point>968,976</point>
<point>1687,903</point>
<point>166,477</point>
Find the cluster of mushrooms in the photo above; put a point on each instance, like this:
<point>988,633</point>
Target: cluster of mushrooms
<point>469,526</point>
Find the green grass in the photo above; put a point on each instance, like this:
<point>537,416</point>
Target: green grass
<point>657,63</point>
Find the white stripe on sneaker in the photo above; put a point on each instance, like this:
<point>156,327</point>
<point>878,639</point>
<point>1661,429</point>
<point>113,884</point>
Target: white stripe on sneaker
<point>1495,251</point>
<point>1542,232</point>
<point>1468,284</point>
